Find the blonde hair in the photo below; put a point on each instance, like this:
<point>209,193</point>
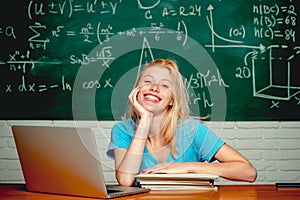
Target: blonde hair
<point>180,107</point>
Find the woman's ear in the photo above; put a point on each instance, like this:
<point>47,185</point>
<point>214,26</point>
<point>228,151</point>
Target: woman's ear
<point>171,103</point>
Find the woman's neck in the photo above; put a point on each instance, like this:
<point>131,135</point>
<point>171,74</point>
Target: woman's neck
<point>155,142</point>
<point>156,125</point>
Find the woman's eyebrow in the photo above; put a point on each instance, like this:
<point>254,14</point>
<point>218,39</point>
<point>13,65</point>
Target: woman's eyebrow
<point>165,79</point>
<point>148,75</point>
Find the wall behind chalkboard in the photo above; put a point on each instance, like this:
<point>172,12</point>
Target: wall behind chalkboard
<point>77,59</point>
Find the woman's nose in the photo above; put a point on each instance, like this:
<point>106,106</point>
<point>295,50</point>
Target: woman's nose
<point>155,87</point>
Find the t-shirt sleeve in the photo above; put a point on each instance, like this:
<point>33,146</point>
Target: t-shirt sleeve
<point>207,143</point>
<point>121,137</point>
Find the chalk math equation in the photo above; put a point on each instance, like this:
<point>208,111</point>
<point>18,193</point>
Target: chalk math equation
<point>255,44</point>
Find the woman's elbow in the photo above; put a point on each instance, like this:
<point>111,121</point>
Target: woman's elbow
<point>125,179</point>
<point>125,183</point>
<point>251,174</point>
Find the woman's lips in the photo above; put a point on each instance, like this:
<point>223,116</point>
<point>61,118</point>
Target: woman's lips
<point>151,97</point>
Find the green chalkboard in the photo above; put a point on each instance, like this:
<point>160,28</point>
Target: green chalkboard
<point>78,59</point>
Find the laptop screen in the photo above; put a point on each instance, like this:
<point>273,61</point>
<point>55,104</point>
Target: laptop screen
<point>62,160</point>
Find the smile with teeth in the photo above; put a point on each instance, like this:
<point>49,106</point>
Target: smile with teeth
<point>152,97</point>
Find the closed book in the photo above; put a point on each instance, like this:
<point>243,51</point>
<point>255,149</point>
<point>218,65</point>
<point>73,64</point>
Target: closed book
<point>189,181</point>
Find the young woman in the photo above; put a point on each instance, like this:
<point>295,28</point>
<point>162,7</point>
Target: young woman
<point>161,137</point>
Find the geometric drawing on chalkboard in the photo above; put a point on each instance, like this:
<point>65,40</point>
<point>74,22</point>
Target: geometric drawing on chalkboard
<point>276,76</point>
<point>144,57</point>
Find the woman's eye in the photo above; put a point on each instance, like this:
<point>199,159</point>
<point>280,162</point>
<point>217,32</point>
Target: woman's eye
<point>165,86</point>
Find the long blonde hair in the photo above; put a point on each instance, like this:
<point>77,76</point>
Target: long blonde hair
<point>180,107</point>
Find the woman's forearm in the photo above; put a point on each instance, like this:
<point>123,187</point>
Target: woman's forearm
<point>232,165</point>
<point>237,171</point>
<point>128,161</point>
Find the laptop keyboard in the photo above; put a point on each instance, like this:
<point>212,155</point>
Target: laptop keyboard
<point>111,190</point>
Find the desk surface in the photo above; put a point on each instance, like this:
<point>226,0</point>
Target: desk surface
<point>224,192</point>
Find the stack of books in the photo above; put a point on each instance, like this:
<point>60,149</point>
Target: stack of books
<point>190,181</point>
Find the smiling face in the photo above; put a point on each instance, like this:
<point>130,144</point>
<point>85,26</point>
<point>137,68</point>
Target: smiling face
<point>155,89</point>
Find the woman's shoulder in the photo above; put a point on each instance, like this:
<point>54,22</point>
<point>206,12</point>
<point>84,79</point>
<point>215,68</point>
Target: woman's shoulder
<point>124,122</point>
<point>190,121</point>
<point>127,124</point>
<point>190,124</point>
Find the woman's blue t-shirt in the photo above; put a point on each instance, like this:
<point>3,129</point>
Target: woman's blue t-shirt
<point>194,142</point>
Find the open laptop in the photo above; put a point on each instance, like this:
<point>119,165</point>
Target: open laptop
<point>64,160</point>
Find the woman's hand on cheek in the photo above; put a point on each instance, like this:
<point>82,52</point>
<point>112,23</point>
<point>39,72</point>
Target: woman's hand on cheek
<point>133,98</point>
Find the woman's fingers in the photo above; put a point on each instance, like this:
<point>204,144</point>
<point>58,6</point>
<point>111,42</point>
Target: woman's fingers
<point>133,95</point>
<point>166,167</point>
<point>133,98</point>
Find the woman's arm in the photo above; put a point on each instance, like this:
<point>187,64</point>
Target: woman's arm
<point>232,165</point>
<point>128,161</point>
